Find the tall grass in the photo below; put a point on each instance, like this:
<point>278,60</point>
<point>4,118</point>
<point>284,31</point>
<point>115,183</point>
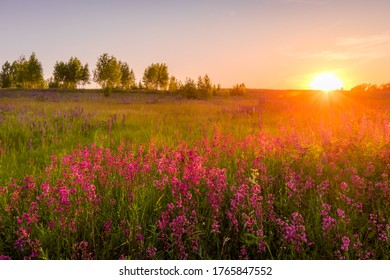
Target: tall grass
<point>263,176</point>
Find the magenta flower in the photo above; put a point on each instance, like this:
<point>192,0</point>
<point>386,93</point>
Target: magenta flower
<point>345,245</point>
<point>107,227</point>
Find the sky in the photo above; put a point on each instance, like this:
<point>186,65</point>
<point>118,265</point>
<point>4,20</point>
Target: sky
<point>278,44</point>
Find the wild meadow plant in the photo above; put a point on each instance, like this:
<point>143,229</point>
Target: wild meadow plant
<point>315,188</point>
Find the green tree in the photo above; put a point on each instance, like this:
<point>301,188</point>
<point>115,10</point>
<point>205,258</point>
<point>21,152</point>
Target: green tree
<point>205,87</point>
<point>108,73</point>
<point>19,69</point>
<point>27,73</point>
<point>70,74</point>
<point>6,75</point>
<point>74,72</point>
<point>128,77</point>
<point>156,76</point>
<point>34,73</point>
<point>189,89</point>
<point>60,74</point>
<point>85,76</point>
<point>174,84</point>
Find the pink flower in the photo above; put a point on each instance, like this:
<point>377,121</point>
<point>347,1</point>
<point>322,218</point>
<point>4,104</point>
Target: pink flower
<point>345,245</point>
<point>340,213</point>
<point>107,227</point>
<point>139,237</point>
<point>151,252</point>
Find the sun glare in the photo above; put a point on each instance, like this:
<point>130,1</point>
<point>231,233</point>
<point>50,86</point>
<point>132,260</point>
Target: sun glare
<point>326,82</point>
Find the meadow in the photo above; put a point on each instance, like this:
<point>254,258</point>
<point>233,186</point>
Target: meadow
<point>151,175</point>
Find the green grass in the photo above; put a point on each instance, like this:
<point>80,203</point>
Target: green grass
<point>38,124</point>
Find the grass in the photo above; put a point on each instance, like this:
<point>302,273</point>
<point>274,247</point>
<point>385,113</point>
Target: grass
<point>140,175</point>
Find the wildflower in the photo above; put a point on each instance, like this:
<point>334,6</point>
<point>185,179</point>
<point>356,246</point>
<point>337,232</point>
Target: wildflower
<point>51,225</point>
<point>151,252</point>
<point>345,245</point>
<point>243,253</point>
<point>328,224</point>
<point>107,227</point>
<point>64,195</point>
<point>294,232</point>
<point>340,213</point>
<point>139,237</point>
<point>215,227</point>
<point>344,186</point>
<point>81,251</point>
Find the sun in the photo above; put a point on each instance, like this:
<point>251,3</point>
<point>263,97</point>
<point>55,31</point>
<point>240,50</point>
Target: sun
<point>326,82</point>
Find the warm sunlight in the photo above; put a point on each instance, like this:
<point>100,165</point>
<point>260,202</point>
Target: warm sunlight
<point>326,82</point>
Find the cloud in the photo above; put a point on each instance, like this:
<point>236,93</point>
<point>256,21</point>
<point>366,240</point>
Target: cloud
<point>353,48</point>
<point>364,42</point>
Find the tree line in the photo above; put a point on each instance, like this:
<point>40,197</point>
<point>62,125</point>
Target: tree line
<point>22,73</point>
<point>110,73</point>
<point>366,87</point>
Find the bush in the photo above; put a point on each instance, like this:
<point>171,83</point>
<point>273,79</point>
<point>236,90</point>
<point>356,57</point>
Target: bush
<point>189,89</point>
<point>238,89</point>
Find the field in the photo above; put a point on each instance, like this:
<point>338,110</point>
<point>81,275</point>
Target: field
<point>148,175</point>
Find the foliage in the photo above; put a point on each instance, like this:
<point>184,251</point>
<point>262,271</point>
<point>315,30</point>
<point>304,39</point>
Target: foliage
<point>204,87</point>
<point>23,73</point>
<point>371,88</point>
<point>108,73</point>
<point>174,85</point>
<point>127,78</point>
<point>6,75</point>
<point>189,89</point>
<point>385,87</point>
<point>238,89</point>
<point>70,74</point>
<point>156,76</point>
<point>34,73</point>
<point>366,87</point>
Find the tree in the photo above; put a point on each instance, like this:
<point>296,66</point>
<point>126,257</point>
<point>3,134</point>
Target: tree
<point>85,76</point>
<point>385,87</point>
<point>156,76</point>
<point>205,87</point>
<point>128,77</point>
<point>74,68</point>
<point>26,73</point>
<point>60,74</point>
<point>70,74</point>
<point>34,73</point>
<point>238,89</point>
<point>366,88</point>
<point>6,75</point>
<point>19,69</point>
<point>174,84</point>
<point>107,73</point>
<point>189,89</point>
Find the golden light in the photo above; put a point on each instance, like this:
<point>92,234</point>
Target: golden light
<point>326,82</point>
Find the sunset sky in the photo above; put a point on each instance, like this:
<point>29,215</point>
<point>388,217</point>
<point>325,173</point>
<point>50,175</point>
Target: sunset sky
<point>279,44</point>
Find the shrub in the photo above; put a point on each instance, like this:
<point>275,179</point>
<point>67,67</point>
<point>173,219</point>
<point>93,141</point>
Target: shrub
<point>238,89</point>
